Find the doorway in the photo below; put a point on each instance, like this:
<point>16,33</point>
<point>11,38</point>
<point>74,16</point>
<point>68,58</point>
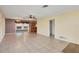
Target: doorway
<point>52,28</point>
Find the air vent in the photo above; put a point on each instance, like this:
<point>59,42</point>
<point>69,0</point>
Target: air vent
<point>44,6</point>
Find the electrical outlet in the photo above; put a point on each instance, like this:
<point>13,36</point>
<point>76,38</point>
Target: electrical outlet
<point>62,37</point>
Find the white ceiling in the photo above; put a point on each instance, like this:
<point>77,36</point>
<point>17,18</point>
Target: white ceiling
<point>23,11</point>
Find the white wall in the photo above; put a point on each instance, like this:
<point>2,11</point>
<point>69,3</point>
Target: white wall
<point>2,26</point>
<point>42,26</point>
<point>66,26</point>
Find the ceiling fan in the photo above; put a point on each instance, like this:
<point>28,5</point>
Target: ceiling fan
<point>33,17</point>
<point>30,17</point>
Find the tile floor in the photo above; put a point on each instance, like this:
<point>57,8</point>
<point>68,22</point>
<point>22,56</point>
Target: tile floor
<point>30,43</point>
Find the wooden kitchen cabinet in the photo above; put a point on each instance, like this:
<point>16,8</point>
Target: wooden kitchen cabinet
<point>33,27</point>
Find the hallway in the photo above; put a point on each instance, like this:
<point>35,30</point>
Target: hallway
<point>30,43</point>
